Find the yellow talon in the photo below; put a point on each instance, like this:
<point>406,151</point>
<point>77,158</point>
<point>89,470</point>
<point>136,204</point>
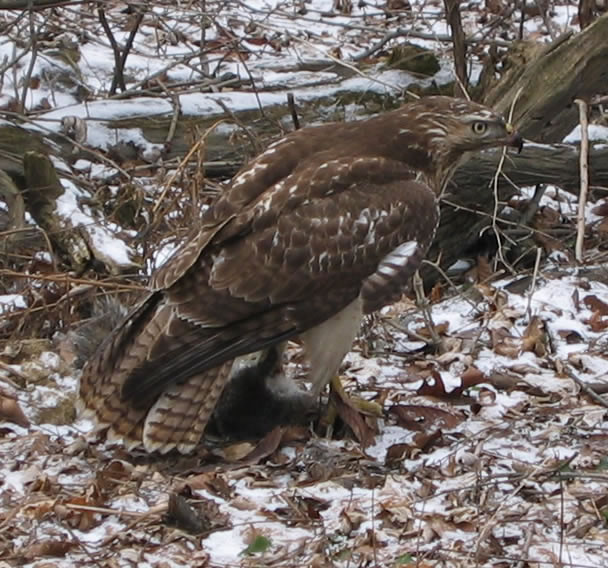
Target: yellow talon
<point>364,406</point>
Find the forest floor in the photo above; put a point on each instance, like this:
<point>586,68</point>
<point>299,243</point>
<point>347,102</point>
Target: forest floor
<point>491,449</point>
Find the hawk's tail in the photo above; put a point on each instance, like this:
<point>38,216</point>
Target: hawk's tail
<point>174,420</point>
<point>179,416</point>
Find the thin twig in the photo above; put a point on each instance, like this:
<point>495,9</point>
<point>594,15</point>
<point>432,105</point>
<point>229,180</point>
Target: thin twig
<point>584,173</point>
<point>450,282</point>
<point>452,14</point>
<point>533,205</point>
<point>424,306</point>
<point>350,66</point>
<point>6,367</point>
<point>522,19</point>
<point>539,254</point>
<point>257,148</point>
<point>118,78</point>
<point>177,111</point>
<point>127,49</point>
<point>543,8</point>
<point>158,510</point>
<point>291,103</point>
<point>183,163</point>
<point>16,58</point>
<point>495,186</point>
<point>237,42</point>
<point>583,386</point>
<point>34,55</point>
<point>67,279</point>
<point>526,548</point>
<point>489,523</point>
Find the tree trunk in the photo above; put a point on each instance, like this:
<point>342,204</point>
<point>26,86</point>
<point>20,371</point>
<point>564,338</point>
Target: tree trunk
<point>43,190</point>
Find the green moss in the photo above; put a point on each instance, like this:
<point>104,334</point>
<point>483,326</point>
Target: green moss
<point>433,89</point>
<point>413,58</point>
<point>63,413</point>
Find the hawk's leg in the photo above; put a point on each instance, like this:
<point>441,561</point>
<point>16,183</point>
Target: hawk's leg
<point>365,406</point>
<point>260,396</point>
<point>326,345</point>
<point>425,308</point>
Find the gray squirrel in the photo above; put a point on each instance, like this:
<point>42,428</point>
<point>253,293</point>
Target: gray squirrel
<point>257,398</point>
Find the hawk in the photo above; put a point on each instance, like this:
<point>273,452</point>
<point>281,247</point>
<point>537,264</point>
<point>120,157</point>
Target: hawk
<point>325,226</point>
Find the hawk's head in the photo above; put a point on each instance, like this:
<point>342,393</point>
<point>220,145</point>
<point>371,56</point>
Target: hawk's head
<point>436,132</point>
<point>457,125</point>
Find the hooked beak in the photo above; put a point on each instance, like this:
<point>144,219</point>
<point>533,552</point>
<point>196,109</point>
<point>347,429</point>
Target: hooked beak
<point>514,140</point>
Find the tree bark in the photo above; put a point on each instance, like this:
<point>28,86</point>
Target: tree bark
<point>459,48</point>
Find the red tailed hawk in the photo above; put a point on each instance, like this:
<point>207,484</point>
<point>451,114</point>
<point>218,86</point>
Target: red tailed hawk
<point>328,224</point>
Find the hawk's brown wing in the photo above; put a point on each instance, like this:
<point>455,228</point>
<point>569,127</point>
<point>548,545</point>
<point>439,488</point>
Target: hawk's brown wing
<point>266,279</point>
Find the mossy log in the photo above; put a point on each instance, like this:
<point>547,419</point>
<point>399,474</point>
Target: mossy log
<point>43,190</point>
<point>30,182</point>
<point>14,200</point>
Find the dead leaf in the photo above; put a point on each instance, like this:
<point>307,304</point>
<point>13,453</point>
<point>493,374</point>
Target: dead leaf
<point>486,397</point>
<point>505,344</point>
<point>595,304</point>
<point>211,481</point>
<point>597,323</point>
<point>11,411</point>
<point>440,329</point>
<point>424,441</point>
<point>534,337</point>
<point>236,452</point>
<point>433,385</point>
<point>266,446</point>
<point>397,452</point>
<point>301,510</point>
<point>424,418</point>
<point>256,40</point>
<point>81,519</point>
<point>570,336</point>
<point>484,270</point>
<point>472,376</point>
<point>296,434</point>
<point>181,515</point>
<point>436,293</point>
<point>49,547</point>
<point>503,381</point>
<point>115,473</point>
<point>601,209</point>
<point>363,432</point>
<point>603,226</point>
<point>598,388</point>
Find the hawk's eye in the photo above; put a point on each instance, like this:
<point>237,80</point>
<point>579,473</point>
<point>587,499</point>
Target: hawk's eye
<point>479,127</point>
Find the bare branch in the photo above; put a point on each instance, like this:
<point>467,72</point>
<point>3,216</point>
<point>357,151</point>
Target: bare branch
<point>584,173</point>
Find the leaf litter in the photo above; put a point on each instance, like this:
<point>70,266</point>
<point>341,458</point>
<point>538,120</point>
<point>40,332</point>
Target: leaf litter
<point>465,467</point>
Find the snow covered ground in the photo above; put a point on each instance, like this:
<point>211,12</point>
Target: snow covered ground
<point>490,452</point>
